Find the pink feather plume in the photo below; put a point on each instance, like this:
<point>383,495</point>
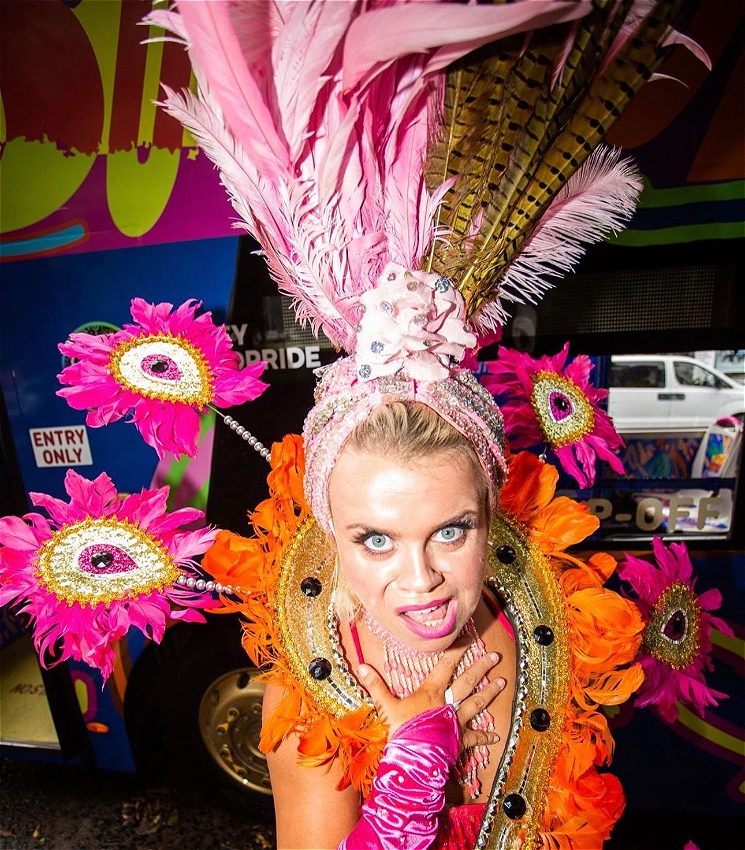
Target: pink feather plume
<point>317,115</point>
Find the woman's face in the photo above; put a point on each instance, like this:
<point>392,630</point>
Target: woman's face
<point>411,538</point>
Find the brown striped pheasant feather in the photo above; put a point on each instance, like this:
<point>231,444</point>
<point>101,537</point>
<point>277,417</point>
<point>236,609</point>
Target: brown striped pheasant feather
<point>549,104</point>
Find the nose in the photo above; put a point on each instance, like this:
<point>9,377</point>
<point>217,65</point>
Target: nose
<point>419,573</point>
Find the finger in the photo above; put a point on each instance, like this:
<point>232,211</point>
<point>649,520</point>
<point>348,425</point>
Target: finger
<point>375,685</point>
<point>443,672</point>
<point>479,737</point>
<point>480,700</point>
<point>464,684</point>
<point>394,712</point>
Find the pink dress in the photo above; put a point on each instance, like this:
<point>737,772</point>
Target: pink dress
<point>460,827</point>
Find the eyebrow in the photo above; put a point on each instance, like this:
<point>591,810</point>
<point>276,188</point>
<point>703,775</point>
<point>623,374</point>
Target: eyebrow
<point>468,515</point>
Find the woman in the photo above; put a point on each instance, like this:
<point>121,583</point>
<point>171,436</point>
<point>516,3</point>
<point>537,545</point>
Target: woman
<point>406,181</point>
<point>410,509</point>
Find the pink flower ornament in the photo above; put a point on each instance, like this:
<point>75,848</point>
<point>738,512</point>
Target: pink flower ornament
<point>676,644</point>
<point>547,401</point>
<point>101,565</point>
<point>161,372</point>
<point>412,322</point>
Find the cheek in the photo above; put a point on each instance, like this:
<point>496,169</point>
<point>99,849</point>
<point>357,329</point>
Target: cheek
<point>470,563</point>
<point>471,572</point>
<point>474,577</point>
<point>367,580</point>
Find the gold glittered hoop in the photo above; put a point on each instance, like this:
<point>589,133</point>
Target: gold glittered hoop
<point>533,601</point>
<point>307,622</point>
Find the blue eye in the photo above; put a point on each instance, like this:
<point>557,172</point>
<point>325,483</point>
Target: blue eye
<point>377,542</point>
<point>449,534</point>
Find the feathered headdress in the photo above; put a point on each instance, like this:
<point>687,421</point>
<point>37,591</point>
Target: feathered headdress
<point>351,135</point>
<point>319,116</point>
<point>409,167</point>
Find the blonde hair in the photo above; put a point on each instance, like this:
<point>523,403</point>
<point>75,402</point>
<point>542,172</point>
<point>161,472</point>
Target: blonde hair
<point>407,431</point>
<point>410,431</point>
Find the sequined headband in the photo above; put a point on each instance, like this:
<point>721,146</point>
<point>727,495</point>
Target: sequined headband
<point>344,401</point>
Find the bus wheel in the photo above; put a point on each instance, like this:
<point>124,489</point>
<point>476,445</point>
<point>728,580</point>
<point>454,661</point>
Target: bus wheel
<point>230,726</point>
<point>194,714</point>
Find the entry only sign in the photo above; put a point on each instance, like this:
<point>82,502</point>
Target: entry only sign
<point>64,446</point>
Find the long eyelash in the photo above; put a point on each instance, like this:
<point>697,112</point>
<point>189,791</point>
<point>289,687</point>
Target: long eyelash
<point>363,536</point>
<point>464,524</point>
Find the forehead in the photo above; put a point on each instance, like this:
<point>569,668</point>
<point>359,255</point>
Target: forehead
<point>371,487</point>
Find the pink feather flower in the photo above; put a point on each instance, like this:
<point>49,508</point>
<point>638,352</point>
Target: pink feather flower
<point>162,372</point>
<point>676,643</point>
<point>547,401</point>
<point>102,564</point>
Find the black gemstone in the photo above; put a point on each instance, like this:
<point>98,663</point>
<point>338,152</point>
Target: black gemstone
<point>514,806</point>
<point>540,719</point>
<point>506,554</point>
<point>101,559</point>
<point>159,366</point>
<point>675,627</point>
<point>544,635</point>
<point>320,668</point>
<point>310,586</point>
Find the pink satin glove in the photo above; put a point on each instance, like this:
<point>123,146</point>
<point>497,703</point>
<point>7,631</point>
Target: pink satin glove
<point>408,791</point>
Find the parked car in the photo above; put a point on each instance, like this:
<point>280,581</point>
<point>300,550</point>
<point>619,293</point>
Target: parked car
<point>669,395</point>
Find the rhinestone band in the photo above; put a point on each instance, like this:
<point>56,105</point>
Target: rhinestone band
<point>343,401</point>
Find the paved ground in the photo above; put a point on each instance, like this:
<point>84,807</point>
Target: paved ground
<point>62,807</point>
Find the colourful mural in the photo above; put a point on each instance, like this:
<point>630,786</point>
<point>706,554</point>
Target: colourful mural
<point>660,457</point>
<point>87,160</point>
<point>685,134</point>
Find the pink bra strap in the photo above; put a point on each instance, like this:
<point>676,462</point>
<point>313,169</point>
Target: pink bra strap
<point>356,640</point>
<point>496,609</point>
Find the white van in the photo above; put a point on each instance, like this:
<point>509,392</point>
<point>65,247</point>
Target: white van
<point>669,395</point>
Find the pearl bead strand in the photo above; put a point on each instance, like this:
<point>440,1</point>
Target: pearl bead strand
<point>244,434</point>
<point>209,586</point>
